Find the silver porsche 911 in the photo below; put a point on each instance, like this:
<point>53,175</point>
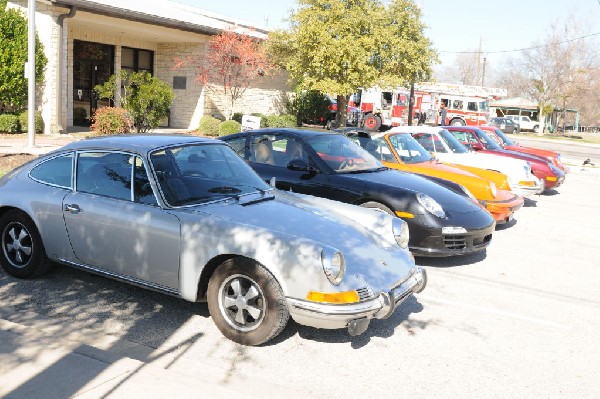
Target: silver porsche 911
<point>186,216</point>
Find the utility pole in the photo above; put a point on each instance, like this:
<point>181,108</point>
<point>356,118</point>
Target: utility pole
<point>483,72</point>
<point>31,72</point>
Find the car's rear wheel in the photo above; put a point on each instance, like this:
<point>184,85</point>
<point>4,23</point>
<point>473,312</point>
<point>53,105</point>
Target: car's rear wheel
<point>372,122</point>
<point>246,302</point>
<point>23,254</point>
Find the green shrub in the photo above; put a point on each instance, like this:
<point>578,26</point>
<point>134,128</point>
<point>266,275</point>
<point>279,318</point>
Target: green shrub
<point>311,106</point>
<point>229,127</point>
<point>9,123</point>
<point>146,98</point>
<point>263,118</point>
<point>281,121</point>
<point>79,115</point>
<point>237,117</point>
<point>111,120</point>
<point>209,126</point>
<point>39,122</point>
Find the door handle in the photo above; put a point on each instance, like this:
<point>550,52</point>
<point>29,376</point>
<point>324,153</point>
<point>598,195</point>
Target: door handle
<point>73,208</point>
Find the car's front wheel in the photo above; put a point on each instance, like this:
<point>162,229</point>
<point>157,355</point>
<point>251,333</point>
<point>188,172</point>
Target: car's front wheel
<point>246,302</point>
<point>23,254</point>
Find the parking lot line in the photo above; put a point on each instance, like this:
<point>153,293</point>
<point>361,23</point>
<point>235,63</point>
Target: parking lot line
<point>498,312</point>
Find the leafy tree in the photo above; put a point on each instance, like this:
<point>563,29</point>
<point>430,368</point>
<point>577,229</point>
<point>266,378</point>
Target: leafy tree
<point>233,62</point>
<point>13,55</point>
<point>340,46</point>
<point>146,98</point>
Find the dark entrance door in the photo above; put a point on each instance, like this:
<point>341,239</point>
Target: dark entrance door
<point>93,64</point>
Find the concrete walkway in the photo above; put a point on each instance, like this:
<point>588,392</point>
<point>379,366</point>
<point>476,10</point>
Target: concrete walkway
<point>35,364</point>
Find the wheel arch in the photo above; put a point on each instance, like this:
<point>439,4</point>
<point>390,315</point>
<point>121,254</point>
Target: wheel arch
<point>214,263</point>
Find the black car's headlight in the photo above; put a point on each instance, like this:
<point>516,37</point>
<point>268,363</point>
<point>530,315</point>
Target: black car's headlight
<point>431,205</point>
<point>334,265</point>
<point>401,234</point>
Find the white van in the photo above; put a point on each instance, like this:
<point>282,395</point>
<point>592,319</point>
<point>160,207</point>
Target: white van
<point>524,122</point>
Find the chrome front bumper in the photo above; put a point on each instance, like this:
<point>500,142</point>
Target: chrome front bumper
<point>356,316</point>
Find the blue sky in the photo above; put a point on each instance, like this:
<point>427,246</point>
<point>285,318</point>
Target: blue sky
<point>454,26</point>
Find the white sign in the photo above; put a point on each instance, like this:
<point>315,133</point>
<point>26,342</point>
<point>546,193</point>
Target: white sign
<point>250,122</point>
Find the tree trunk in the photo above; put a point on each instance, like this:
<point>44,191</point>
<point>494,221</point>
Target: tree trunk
<point>541,119</point>
<point>341,116</point>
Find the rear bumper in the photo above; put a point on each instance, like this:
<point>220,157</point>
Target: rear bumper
<point>332,316</point>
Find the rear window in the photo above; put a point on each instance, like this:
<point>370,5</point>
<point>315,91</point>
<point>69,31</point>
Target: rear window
<point>57,171</point>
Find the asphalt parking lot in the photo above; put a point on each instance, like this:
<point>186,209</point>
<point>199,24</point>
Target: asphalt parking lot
<point>518,321</point>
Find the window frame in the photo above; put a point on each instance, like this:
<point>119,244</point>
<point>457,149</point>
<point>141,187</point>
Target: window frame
<point>39,164</point>
<point>131,175</point>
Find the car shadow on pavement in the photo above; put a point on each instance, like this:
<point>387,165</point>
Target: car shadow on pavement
<point>550,192</point>
<point>452,261</point>
<point>384,328</point>
<point>508,225</point>
<point>529,203</point>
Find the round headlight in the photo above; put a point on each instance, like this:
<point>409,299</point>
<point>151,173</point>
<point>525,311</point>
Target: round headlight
<point>334,265</point>
<point>401,234</point>
<point>431,205</point>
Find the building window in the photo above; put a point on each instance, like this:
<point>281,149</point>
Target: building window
<point>137,60</point>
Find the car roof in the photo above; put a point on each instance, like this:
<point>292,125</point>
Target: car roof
<point>139,143</point>
<point>290,132</point>
<point>415,129</point>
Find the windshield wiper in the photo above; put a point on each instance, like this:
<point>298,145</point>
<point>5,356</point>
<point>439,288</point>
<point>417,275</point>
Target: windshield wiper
<point>224,190</point>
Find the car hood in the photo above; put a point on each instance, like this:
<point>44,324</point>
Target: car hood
<point>363,236</point>
<point>391,181</point>
<point>514,168</point>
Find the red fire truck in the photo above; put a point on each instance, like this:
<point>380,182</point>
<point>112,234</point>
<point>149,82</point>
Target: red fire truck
<point>465,105</point>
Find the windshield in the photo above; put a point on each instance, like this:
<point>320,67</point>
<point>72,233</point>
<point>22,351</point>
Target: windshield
<point>455,146</point>
<point>195,174</point>
<point>342,155</point>
<point>503,137</point>
<point>409,149</point>
<point>488,143</point>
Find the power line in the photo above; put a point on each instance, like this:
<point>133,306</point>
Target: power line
<point>521,49</point>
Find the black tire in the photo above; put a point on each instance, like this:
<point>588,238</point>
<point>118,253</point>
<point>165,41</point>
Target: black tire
<point>23,254</point>
<point>372,122</point>
<point>330,125</point>
<point>269,313</point>
<point>514,130</point>
<point>457,122</point>
<point>378,207</point>
<point>535,128</point>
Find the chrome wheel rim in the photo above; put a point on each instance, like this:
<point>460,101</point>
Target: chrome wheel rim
<point>17,245</point>
<point>242,302</point>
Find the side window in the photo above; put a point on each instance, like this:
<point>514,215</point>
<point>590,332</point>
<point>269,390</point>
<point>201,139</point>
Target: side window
<point>261,150</point>
<point>239,146</point>
<point>142,190</point>
<point>457,104</point>
<point>56,171</point>
<point>105,173</point>
<point>472,106</point>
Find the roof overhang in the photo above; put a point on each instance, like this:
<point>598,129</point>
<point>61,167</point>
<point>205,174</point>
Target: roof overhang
<point>189,19</point>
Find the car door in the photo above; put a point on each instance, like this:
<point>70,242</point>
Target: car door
<point>119,228</point>
<point>270,156</point>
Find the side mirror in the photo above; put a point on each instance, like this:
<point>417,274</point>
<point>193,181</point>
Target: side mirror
<point>273,182</point>
<point>477,147</point>
<point>300,165</point>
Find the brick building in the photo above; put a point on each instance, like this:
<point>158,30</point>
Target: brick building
<point>86,41</point>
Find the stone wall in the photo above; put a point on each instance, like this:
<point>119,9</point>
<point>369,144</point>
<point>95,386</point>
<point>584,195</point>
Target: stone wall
<point>190,103</point>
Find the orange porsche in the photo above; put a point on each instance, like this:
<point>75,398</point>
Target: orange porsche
<point>401,151</point>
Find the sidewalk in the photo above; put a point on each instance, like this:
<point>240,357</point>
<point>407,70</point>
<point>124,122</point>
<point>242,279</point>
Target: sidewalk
<point>46,143</point>
<point>36,364</point>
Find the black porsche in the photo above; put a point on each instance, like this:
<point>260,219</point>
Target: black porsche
<point>442,222</point>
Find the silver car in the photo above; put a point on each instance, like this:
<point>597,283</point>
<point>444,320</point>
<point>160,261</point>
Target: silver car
<point>187,217</point>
